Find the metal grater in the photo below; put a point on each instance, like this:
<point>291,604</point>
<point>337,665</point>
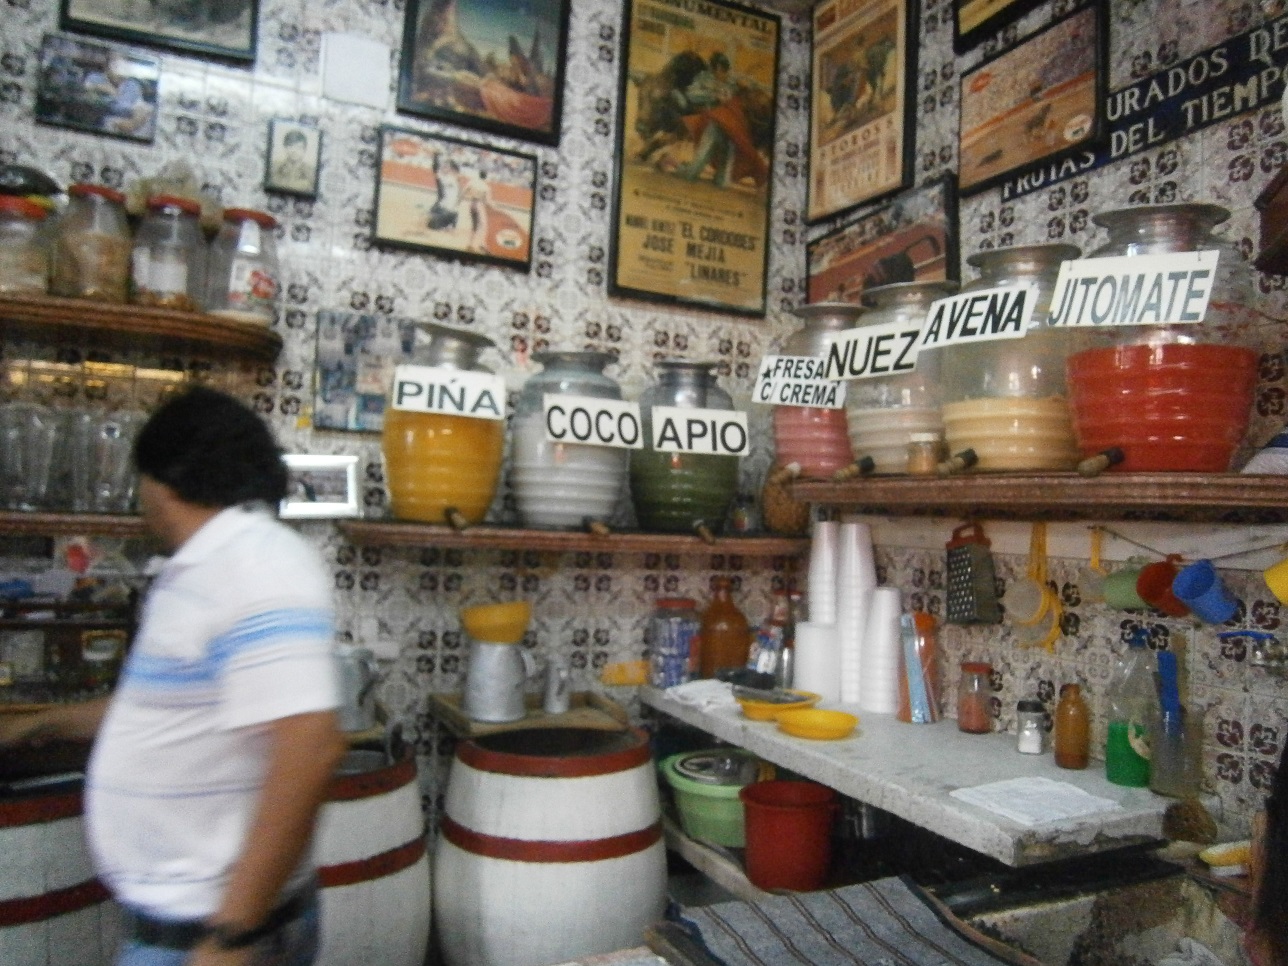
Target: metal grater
<point>972,590</point>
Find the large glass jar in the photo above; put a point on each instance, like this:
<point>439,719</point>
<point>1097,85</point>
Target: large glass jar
<point>169,255</point>
<point>1005,399</point>
<point>24,254</point>
<point>678,492</point>
<point>91,252</point>
<point>436,462</point>
<point>884,412</point>
<point>816,439</point>
<point>1171,397</point>
<point>561,484</point>
<point>243,279</point>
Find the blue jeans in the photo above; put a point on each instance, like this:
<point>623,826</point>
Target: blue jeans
<point>295,944</point>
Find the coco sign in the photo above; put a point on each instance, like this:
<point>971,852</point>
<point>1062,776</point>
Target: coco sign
<point>593,421</point>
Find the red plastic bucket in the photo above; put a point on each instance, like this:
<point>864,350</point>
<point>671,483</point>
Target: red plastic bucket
<point>789,834</point>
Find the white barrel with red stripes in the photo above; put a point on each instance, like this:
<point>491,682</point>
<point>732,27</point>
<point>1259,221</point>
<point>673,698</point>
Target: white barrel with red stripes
<point>550,848</point>
<point>373,865</point>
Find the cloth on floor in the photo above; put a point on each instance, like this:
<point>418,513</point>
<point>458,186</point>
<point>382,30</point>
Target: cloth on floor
<point>706,693</point>
<point>1191,953</point>
<point>1033,801</point>
<point>889,921</point>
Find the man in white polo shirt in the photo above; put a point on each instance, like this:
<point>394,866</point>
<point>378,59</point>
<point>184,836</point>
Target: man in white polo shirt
<point>213,755</point>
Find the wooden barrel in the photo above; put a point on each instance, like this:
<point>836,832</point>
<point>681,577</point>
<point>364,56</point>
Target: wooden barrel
<point>550,848</point>
<point>373,866</point>
<point>52,908</point>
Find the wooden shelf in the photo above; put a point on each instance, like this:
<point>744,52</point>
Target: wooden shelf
<point>33,523</point>
<point>393,533</point>
<point>1226,497</point>
<point>129,324</point>
<point>586,709</point>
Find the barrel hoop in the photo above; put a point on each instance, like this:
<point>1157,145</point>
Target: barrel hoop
<point>368,784</point>
<point>541,766</point>
<point>527,850</point>
<point>374,866</point>
<point>57,902</point>
<point>40,808</point>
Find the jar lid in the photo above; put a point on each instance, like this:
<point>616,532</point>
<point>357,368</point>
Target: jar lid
<point>721,767</point>
<point>261,218</point>
<point>16,205</point>
<point>977,667</point>
<point>924,437</point>
<point>101,191</point>
<point>676,603</point>
<point>1030,706</point>
<point>186,205</point>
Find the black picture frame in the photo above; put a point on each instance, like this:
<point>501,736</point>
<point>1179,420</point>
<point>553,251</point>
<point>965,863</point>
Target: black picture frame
<point>1035,103</point>
<point>222,31</point>
<point>512,87</point>
<point>694,156</point>
<point>96,88</point>
<point>457,199</point>
<point>911,237</point>
<point>974,21</point>
<point>293,158</point>
<point>863,100</point>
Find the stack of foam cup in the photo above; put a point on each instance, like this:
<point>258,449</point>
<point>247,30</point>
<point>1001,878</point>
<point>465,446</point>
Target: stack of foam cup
<point>855,580</point>
<point>879,665</point>
<point>818,660</point>
<point>822,571</point>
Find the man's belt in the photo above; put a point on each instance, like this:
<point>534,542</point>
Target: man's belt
<point>186,933</point>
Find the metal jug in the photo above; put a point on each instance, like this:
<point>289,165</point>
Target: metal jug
<point>494,684</point>
<point>357,670</point>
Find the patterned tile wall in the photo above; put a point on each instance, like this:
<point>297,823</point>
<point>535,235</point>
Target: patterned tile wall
<point>593,606</point>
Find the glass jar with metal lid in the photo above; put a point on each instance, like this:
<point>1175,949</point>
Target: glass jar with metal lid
<point>169,255</point>
<point>243,278</point>
<point>1005,399</point>
<point>24,252</point>
<point>91,250</point>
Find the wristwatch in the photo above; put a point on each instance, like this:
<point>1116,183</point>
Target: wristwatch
<point>226,936</point>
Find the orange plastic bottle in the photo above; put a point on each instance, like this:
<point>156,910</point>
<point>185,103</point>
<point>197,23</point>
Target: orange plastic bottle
<point>1072,729</point>
<point>724,630</point>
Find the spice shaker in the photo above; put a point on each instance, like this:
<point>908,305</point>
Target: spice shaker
<point>1030,733</point>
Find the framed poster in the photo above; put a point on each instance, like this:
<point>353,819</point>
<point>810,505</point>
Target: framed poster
<point>294,157</point>
<point>1037,102</point>
<point>976,20</point>
<point>453,198</point>
<point>695,147</point>
<point>223,30</point>
<point>913,238</point>
<point>320,487</point>
<point>91,87</point>
<point>862,87</point>
<point>494,65</point>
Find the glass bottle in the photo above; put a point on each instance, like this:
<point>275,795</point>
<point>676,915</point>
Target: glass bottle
<point>678,492</point>
<point>1133,707</point>
<point>725,631</point>
<point>1072,729</point>
<point>244,279</point>
<point>1030,727</point>
<point>24,254</point>
<point>92,241</point>
<point>1005,398</point>
<point>562,484</point>
<point>672,638</point>
<point>169,255</point>
<point>767,645</point>
<point>1171,397</point>
<point>973,690</point>
<point>815,439</point>
<point>883,412</point>
<point>436,462</point>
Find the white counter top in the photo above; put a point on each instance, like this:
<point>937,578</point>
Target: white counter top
<point>909,770</point>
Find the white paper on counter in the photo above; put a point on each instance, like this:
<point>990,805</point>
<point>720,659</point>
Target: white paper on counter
<point>705,693</point>
<point>1033,801</point>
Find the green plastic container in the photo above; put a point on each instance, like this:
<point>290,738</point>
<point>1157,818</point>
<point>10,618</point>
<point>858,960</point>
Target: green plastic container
<point>706,797</point>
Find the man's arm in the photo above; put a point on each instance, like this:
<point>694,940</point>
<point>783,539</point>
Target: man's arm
<point>68,722</point>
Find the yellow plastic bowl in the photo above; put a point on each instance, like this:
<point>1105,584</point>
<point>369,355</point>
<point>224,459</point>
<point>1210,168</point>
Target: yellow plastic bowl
<point>817,723</point>
<point>769,710</point>
<point>497,623</point>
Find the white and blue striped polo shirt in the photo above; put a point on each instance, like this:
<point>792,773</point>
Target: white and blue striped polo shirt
<point>236,632</point>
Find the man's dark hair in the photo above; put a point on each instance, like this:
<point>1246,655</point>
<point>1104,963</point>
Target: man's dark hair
<point>294,137</point>
<point>211,450</point>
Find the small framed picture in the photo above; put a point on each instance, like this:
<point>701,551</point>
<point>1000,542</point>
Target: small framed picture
<point>454,198</point>
<point>91,87</point>
<point>294,157</point>
<point>223,30</point>
<point>912,238</point>
<point>321,487</point>
<point>977,20</point>
<point>1038,102</point>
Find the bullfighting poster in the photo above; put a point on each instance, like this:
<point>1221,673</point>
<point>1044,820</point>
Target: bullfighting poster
<point>695,149</point>
<point>861,130</point>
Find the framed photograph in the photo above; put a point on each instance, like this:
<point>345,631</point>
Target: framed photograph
<point>695,140</point>
<point>293,159</point>
<point>1036,103</point>
<point>977,20</point>
<point>321,487</point>
<point>223,29</point>
<point>91,87</point>
<point>494,65</point>
<point>862,93</point>
<point>913,238</point>
<point>457,199</point>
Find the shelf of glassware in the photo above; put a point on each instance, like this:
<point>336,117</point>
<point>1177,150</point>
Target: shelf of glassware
<point>18,523</point>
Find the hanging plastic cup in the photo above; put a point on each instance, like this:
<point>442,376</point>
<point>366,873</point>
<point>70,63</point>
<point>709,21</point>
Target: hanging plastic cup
<point>1119,589</point>
<point>1155,586</point>
<point>1201,588</point>
<point>1276,576</point>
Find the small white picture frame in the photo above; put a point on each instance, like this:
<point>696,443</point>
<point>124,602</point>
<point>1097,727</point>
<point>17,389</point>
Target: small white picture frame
<point>294,158</point>
<point>321,487</point>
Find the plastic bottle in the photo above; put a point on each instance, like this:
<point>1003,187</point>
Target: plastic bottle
<point>724,631</point>
<point>1072,729</point>
<point>1133,705</point>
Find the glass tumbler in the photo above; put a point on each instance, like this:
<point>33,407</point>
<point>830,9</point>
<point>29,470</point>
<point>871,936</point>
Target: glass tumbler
<point>27,434</point>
